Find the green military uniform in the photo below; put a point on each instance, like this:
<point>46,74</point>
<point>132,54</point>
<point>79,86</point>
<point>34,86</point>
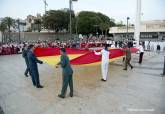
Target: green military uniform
<point>128,58</point>
<point>66,75</point>
<point>24,55</point>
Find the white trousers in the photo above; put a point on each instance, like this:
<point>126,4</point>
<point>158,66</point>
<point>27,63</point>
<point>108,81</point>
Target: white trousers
<point>104,69</point>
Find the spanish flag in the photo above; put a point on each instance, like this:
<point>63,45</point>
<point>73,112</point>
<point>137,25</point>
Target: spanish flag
<point>78,56</point>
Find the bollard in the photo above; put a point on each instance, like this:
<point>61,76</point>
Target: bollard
<point>164,67</point>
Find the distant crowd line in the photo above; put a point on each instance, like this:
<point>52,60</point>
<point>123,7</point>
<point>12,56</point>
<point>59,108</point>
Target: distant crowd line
<point>16,47</point>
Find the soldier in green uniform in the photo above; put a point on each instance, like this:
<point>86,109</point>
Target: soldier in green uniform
<point>24,55</point>
<point>127,58</point>
<point>67,73</point>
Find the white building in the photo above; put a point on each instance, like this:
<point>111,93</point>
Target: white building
<point>149,30</point>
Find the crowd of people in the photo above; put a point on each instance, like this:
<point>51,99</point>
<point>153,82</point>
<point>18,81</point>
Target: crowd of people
<point>10,48</point>
<point>16,48</point>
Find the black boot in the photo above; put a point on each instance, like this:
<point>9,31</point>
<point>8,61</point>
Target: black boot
<point>26,74</point>
<point>39,86</point>
<point>60,96</point>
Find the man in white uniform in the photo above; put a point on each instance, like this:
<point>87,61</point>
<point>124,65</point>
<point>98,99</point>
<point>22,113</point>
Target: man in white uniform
<point>141,50</point>
<point>105,62</point>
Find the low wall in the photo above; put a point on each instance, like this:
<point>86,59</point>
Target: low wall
<point>32,36</point>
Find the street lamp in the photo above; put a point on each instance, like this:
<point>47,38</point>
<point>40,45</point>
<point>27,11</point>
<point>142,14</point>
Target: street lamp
<point>18,22</point>
<point>77,25</point>
<point>127,27</point>
<point>70,25</point>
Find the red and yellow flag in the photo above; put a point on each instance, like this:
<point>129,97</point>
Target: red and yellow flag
<point>77,56</point>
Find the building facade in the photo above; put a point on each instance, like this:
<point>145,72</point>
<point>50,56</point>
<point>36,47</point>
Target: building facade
<point>30,20</point>
<point>149,31</point>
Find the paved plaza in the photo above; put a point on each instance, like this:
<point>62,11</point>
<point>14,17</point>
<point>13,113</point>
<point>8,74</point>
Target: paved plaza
<point>137,91</point>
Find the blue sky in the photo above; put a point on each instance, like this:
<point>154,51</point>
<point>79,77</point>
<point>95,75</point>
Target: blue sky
<point>117,9</point>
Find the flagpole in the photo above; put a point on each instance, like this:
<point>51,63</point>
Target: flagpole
<point>137,22</point>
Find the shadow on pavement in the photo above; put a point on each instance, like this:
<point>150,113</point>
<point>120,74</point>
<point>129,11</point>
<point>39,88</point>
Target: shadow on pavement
<point>1,111</point>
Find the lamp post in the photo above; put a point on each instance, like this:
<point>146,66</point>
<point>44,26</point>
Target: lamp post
<point>18,22</point>
<point>77,26</point>
<point>70,13</point>
<point>70,16</point>
<point>127,27</point>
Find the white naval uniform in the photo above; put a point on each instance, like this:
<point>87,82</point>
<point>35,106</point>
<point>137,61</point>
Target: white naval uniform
<point>104,63</point>
<point>141,49</point>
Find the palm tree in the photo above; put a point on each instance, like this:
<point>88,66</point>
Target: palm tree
<point>9,22</point>
<point>2,29</point>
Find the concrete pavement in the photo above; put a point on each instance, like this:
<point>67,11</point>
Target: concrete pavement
<point>137,91</point>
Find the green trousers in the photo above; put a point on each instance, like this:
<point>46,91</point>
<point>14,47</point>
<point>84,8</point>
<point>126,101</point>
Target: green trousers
<point>67,80</point>
<point>127,62</point>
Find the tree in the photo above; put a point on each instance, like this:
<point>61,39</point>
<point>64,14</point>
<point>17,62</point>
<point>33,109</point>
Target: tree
<point>3,27</point>
<point>56,20</point>
<point>9,22</point>
<point>92,23</point>
<point>87,22</point>
<point>106,22</point>
<point>104,27</point>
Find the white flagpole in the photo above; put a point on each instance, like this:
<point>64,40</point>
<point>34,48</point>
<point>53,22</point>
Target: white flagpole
<point>137,22</point>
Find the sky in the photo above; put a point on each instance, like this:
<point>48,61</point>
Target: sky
<point>116,9</point>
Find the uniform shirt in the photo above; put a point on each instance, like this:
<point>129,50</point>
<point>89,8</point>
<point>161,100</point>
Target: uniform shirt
<point>65,64</point>
<point>141,49</point>
<point>105,55</point>
<point>128,53</point>
<point>32,59</point>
